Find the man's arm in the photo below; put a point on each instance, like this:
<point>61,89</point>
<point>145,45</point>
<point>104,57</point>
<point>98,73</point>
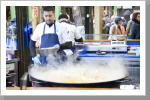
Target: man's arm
<point>35,59</point>
<point>65,39</point>
<point>32,48</point>
<point>66,45</point>
<point>104,26</point>
<point>79,40</point>
<point>128,28</point>
<point>77,34</point>
<point>35,37</point>
<point>133,33</point>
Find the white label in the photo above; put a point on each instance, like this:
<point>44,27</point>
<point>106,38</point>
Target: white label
<point>68,52</point>
<point>126,87</point>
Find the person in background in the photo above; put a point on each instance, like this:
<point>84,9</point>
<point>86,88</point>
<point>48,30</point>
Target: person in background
<point>108,28</point>
<point>75,36</point>
<point>117,28</point>
<point>129,28</point>
<point>105,25</point>
<point>124,23</point>
<point>135,33</point>
<point>13,21</point>
<point>69,21</point>
<point>81,29</point>
<point>50,34</point>
<point>112,20</point>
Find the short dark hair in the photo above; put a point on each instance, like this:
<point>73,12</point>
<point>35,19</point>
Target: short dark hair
<point>116,21</point>
<point>62,16</point>
<point>106,15</point>
<point>49,8</point>
<point>135,15</point>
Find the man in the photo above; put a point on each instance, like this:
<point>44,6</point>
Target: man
<point>105,25</point>
<point>50,34</point>
<point>74,33</point>
<point>75,36</point>
<point>69,21</point>
<point>135,33</point>
<point>129,28</point>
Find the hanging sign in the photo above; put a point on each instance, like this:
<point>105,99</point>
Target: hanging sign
<point>35,11</point>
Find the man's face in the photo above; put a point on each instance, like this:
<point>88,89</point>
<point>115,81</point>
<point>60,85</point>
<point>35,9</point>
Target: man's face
<point>120,22</point>
<point>49,17</point>
<point>138,17</point>
<point>106,18</point>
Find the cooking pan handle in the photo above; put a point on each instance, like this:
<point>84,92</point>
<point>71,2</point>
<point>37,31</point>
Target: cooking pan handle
<point>10,75</point>
<point>32,80</point>
<point>125,80</point>
<point>37,82</point>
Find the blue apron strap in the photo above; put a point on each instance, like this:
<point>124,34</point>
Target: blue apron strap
<point>42,58</point>
<point>43,33</point>
<point>44,29</point>
<point>54,27</point>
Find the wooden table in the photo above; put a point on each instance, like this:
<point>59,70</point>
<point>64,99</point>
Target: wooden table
<point>12,88</point>
<point>67,88</point>
<point>59,88</point>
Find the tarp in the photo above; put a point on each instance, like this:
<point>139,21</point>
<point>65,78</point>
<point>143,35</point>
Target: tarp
<point>27,32</point>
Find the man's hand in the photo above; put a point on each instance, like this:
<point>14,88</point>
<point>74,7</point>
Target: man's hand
<point>36,60</point>
<point>57,46</point>
<point>108,24</point>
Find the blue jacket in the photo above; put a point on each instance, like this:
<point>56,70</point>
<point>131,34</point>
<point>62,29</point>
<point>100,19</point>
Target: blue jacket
<point>135,34</point>
<point>108,28</point>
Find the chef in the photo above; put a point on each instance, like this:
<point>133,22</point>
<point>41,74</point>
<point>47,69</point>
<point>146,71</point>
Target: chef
<point>72,30</point>
<point>50,34</point>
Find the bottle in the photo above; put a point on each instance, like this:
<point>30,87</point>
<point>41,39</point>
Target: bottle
<point>13,44</point>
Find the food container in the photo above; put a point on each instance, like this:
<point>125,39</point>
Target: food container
<point>121,38</point>
<point>47,51</point>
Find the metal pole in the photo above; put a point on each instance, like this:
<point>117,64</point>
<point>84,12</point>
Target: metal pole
<point>23,51</point>
<point>57,11</point>
<point>12,11</point>
<point>115,10</point>
<point>30,12</point>
<point>98,22</point>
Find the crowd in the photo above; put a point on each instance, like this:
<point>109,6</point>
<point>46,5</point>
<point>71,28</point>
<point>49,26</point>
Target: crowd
<point>118,25</point>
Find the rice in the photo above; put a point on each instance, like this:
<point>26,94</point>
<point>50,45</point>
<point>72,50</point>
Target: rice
<point>82,72</point>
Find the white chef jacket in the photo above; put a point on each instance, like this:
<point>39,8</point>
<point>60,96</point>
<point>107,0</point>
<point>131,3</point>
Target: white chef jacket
<point>72,31</point>
<point>60,31</point>
<point>81,31</point>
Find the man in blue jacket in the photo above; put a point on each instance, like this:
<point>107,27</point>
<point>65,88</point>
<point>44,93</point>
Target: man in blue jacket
<point>135,34</point>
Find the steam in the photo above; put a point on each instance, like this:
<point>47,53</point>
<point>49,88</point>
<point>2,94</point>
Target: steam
<point>84,71</point>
